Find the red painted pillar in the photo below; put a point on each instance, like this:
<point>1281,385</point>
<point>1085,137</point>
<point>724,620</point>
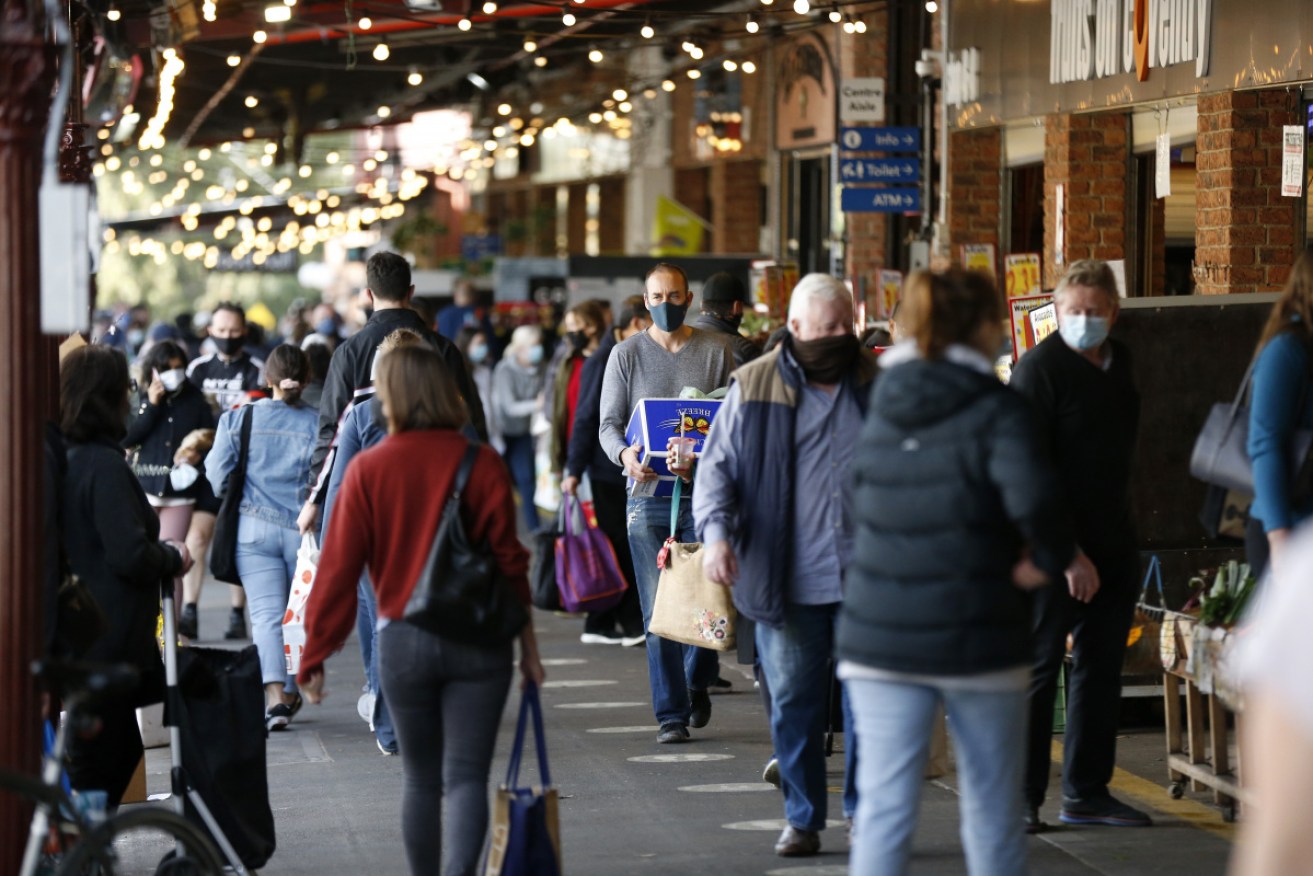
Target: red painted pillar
<point>25,92</point>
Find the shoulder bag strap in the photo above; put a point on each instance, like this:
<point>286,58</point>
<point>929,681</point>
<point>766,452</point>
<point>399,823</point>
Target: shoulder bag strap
<point>674,507</point>
<point>237,480</point>
<point>529,707</point>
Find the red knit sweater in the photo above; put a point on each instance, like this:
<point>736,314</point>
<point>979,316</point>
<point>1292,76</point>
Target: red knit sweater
<point>385,518</point>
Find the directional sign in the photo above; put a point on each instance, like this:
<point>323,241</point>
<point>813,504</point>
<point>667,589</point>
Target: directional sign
<point>880,139</point>
<point>890,170</point>
<point>871,200</point>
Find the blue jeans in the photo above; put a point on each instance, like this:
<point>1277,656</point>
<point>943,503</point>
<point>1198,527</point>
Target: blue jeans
<point>266,560</point>
<point>989,738</point>
<point>672,668</point>
<point>796,661</point>
<point>367,605</point>
<point>519,459</point>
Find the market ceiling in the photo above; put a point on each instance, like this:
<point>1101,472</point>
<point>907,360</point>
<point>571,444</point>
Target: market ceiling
<point>360,63</point>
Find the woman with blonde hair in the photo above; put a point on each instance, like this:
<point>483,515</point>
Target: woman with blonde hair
<point>445,696</point>
<point>958,514</point>
<point>1280,405</point>
<point>516,382</point>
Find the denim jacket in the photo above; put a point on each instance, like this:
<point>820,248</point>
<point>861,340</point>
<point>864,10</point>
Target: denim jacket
<point>278,463</point>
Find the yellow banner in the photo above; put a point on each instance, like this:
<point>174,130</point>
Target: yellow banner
<point>676,229</point>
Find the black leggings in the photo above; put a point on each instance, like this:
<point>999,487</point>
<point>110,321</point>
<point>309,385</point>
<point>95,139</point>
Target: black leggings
<point>446,701</point>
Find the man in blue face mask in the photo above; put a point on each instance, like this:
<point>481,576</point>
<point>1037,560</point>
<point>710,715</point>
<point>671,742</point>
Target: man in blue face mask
<point>1080,382</point>
<point>658,363</point>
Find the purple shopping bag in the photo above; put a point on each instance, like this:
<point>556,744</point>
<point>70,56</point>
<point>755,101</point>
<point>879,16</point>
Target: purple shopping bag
<point>587,571</point>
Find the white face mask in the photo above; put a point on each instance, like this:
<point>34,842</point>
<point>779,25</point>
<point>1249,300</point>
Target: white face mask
<point>183,476</point>
<point>172,379</point>
<point>1083,332</point>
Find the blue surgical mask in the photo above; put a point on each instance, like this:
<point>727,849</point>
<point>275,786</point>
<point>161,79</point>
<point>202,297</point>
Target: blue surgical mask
<point>534,354</point>
<point>1082,332</point>
<point>667,316</point>
<point>478,353</point>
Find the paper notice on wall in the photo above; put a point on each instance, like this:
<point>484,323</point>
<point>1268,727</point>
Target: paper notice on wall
<point>1022,274</point>
<point>1162,170</point>
<point>891,286</point>
<point>1118,268</point>
<point>1292,161</point>
<point>980,257</point>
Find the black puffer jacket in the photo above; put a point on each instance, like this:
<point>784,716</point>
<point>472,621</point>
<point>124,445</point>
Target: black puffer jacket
<point>156,434</point>
<point>950,485</point>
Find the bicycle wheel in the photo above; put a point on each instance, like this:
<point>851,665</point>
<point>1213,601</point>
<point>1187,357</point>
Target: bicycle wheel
<point>144,842</point>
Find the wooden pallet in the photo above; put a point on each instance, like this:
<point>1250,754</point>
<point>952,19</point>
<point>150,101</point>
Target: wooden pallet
<point>1200,749</point>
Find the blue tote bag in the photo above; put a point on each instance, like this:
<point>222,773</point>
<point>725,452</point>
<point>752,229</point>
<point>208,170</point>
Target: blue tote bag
<point>526,837</point>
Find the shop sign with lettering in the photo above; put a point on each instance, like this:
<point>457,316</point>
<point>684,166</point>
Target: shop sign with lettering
<point>1092,39</point>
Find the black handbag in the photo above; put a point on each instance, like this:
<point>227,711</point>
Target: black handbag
<point>542,576</point>
<point>223,549</point>
<point>1221,457</point>
<point>460,594</point>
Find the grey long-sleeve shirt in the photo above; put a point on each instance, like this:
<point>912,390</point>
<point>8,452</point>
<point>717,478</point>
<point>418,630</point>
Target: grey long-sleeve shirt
<point>641,368</point>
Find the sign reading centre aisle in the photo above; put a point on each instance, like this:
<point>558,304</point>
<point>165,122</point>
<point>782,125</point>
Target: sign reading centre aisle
<point>866,199</point>
<point>862,99</point>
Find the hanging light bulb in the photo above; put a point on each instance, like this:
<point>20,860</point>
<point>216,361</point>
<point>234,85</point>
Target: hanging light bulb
<point>668,85</point>
<point>365,22</point>
<point>931,6</point>
<point>234,60</point>
<point>113,14</point>
<point>647,30</point>
<point>752,25</point>
<point>835,15</point>
<point>382,52</point>
<point>464,24</point>
<point>277,13</point>
<point>259,36</point>
<point>694,73</point>
<point>848,27</point>
<point>595,55</point>
<point>530,46</point>
<point>490,8</point>
<point>730,65</point>
<point>859,26</point>
<point>414,77</point>
<point>749,67</point>
<point>802,7</point>
<point>252,101</point>
<point>568,19</point>
<point>504,109</point>
<point>540,61</point>
<point>620,94</point>
<point>696,53</point>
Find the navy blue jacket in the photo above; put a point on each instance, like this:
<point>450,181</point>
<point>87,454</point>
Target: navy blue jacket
<point>585,452</point>
<point>768,389</point>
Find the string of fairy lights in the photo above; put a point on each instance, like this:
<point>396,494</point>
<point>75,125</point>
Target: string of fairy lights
<point>342,191</point>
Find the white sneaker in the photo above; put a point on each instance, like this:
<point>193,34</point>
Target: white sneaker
<point>601,638</point>
<point>365,708</point>
<point>631,641</point>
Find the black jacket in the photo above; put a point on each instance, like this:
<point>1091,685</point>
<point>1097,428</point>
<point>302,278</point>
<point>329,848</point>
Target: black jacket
<point>352,368</point>
<point>585,453</point>
<point>950,486</point>
<point>744,350</point>
<point>156,433</point>
<point>112,541</point>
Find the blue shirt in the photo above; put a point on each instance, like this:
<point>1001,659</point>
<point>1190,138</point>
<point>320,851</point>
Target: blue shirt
<point>278,461</point>
<point>825,439</point>
<point>1280,387</point>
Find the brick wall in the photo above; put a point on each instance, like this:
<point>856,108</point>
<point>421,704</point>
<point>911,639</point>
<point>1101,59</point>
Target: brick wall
<point>975,197</point>
<point>1087,154</point>
<point>576,218</point>
<point>611,216</point>
<point>1244,230</point>
<point>865,55</point>
<point>736,196</point>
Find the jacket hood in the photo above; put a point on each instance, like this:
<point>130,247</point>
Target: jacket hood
<point>922,392</point>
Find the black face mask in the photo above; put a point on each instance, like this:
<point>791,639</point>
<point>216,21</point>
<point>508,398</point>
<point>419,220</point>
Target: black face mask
<point>369,311</point>
<point>734,321</point>
<point>230,346</point>
<point>827,360</point>
<point>576,340</point>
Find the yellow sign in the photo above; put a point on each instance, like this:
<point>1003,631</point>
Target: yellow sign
<point>1023,275</point>
<point>677,229</point>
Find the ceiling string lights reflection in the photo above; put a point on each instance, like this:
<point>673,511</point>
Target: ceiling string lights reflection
<point>153,136</point>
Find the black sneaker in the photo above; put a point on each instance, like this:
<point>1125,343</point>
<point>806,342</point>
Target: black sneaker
<point>277,717</point>
<point>671,733</point>
<point>721,686</point>
<point>188,625</point>
<point>1032,821</point>
<point>1105,809</point>
<point>701,713</point>
<point>236,625</point>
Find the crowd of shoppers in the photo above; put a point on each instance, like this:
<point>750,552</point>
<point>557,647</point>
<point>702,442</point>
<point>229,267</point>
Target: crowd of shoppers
<point>931,537</point>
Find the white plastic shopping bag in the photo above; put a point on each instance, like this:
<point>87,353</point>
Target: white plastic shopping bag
<point>303,581</point>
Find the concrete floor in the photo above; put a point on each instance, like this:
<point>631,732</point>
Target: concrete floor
<point>336,799</point>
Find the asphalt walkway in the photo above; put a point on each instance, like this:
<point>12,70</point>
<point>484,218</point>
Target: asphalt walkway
<point>631,806</point>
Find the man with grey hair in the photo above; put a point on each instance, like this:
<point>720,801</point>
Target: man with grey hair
<point>1079,381</point>
<point>771,510</point>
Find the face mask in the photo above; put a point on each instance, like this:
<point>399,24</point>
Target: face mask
<point>183,476</point>
<point>230,346</point>
<point>135,337</point>
<point>478,353</point>
<point>534,355</point>
<point>668,317</point>
<point>828,359</point>
<point>735,321</point>
<point>172,379</point>
<point>1083,332</point>
<point>576,340</point>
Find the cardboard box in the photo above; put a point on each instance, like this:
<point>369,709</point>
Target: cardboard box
<point>654,422</point>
